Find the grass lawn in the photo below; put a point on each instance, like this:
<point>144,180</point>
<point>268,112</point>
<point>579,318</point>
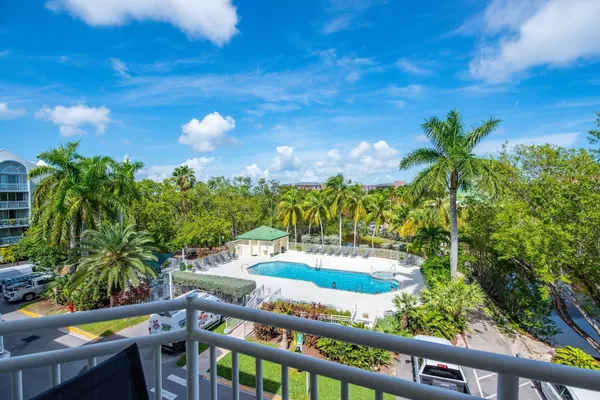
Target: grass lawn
<point>219,328</point>
<point>104,328</point>
<point>328,388</point>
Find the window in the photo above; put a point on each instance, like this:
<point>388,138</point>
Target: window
<point>563,392</point>
<point>443,372</point>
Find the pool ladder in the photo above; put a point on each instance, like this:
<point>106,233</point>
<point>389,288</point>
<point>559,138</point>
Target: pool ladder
<point>318,264</point>
<point>356,288</point>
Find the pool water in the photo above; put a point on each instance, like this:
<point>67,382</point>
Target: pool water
<point>326,278</point>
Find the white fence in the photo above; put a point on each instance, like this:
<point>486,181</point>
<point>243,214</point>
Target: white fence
<point>509,369</point>
<point>401,257</point>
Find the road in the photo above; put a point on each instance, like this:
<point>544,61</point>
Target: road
<point>37,380</point>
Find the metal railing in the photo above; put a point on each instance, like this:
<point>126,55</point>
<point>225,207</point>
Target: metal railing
<point>360,252</point>
<point>5,205</point>
<point>509,369</point>
<point>9,240</point>
<point>14,222</point>
<point>18,187</point>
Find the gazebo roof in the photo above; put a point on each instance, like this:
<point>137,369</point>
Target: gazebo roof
<point>265,233</point>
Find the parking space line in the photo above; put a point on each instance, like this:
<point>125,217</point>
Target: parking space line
<point>526,383</point>
<point>488,376</point>
<point>477,380</point>
<point>178,380</point>
<point>166,394</point>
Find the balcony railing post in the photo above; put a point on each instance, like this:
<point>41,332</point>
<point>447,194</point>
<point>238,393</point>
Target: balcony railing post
<point>191,350</point>
<point>213,373</point>
<point>259,379</point>
<point>158,372</point>
<point>508,387</point>
<point>55,375</point>
<point>314,390</point>
<point>16,383</point>
<point>235,375</point>
<point>285,387</point>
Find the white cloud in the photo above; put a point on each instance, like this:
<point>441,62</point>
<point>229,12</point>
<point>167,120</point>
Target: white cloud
<point>397,103</point>
<point>421,138</point>
<point>70,119</point>
<point>556,33</point>
<point>253,171</point>
<point>346,13</point>
<point>285,160</point>
<point>10,113</point>
<point>359,151</point>
<point>208,134</point>
<point>353,76</point>
<point>409,91</point>
<point>383,150</point>
<point>411,67</point>
<point>120,68</point>
<point>334,155</point>
<point>373,165</point>
<point>567,139</point>
<point>214,20</point>
<point>199,163</point>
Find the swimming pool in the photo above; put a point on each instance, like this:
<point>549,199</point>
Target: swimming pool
<point>326,278</point>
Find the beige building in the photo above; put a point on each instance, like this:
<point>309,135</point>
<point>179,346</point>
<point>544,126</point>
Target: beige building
<point>262,241</point>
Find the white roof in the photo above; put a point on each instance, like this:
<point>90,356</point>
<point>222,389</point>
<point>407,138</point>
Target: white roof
<point>6,155</point>
<point>584,394</point>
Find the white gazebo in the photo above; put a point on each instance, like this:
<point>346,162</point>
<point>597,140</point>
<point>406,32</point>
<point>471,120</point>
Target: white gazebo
<point>263,241</point>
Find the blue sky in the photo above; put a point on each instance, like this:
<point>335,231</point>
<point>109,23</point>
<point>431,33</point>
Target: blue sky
<point>291,90</point>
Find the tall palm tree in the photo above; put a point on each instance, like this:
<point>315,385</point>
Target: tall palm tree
<point>317,209</point>
<point>379,207</point>
<point>60,169</point>
<point>451,164</point>
<point>290,210</point>
<point>184,177</point>
<point>123,184</point>
<point>356,205</point>
<point>336,189</point>
<point>118,255</point>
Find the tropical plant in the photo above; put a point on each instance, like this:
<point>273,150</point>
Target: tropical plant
<point>356,206</point>
<point>406,306</point>
<point>574,357</point>
<point>184,177</point>
<point>430,239</point>
<point>118,255</point>
<point>336,189</point>
<point>379,206</point>
<point>452,165</point>
<point>316,210</point>
<point>289,210</point>
<point>123,185</point>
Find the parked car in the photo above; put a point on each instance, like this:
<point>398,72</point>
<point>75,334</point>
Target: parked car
<point>438,373</point>
<point>553,391</point>
<point>173,320</point>
<point>26,287</point>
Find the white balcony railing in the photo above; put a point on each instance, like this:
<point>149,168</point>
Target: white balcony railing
<point>508,368</point>
<point>9,240</point>
<point>13,187</point>
<point>13,205</point>
<point>14,222</point>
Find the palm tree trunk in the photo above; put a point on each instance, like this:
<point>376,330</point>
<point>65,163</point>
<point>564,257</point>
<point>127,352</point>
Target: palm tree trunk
<point>121,217</point>
<point>322,238</point>
<point>340,229</point>
<point>72,239</point>
<point>453,235</point>
<point>99,216</point>
<point>295,234</point>
<point>309,224</point>
<point>373,237</point>
<point>355,223</point>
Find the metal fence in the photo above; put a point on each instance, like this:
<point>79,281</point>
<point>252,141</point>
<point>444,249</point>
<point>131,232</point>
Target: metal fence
<point>360,252</point>
<point>509,369</point>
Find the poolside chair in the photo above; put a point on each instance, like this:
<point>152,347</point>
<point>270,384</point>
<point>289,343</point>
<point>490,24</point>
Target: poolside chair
<point>330,252</point>
<point>231,255</point>
<point>205,264</point>
<point>213,261</point>
<point>338,252</point>
<point>354,252</point>
<point>321,250</point>
<point>366,255</point>
<point>225,256</point>
<point>221,258</point>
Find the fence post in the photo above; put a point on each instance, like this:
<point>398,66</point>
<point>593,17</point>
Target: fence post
<point>191,350</point>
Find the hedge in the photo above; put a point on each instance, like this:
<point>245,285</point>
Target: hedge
<point>231,290</point>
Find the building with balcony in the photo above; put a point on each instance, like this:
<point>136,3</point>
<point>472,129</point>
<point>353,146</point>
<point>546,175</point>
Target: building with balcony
<point>15,196</point>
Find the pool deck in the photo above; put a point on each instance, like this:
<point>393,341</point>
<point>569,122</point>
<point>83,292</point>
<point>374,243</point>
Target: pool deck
<point>410,279</point>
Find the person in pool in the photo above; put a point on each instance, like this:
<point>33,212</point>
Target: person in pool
<point>333,285</point>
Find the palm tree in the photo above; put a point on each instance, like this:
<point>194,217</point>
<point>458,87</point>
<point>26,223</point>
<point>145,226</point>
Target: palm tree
<point>336,189</point>
<point>118,255</point>
<point>123,184</point>
<point>452,165</point>
<point>289,210</point>
<point>431,238</point>
<point>316,210</point>
<point>356,205</point>
<point>379,207</point>
<point>184,176</point>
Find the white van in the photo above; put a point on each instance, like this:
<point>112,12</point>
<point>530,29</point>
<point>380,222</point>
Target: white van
<point>25,287</point>
<point>437,373</point>
<point>172,320</point>
<point>553,391</point>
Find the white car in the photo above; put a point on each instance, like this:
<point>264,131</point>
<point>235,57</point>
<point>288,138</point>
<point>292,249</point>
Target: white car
<point>26,287</point>
<point>173,320</point>
<point>553,391</point>
<point>438,373</point>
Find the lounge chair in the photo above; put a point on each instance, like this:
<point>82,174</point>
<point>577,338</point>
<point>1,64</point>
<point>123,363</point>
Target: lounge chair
<point>225,256</point>
<point>205,264</point>
<point>231,255</point>
<point>213,261</point>
<point>366,255</point>
<point>354,252</point>
<point>330,252</point>
<point>321,250</point>
<point>344,252</point>
<point>308,249</point>
<point>221,258</point>
<point>337,252</point>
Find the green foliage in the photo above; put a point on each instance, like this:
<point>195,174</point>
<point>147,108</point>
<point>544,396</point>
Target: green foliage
<point>436,269</point>
<point>203,231</point>
<point>116,254</point>
<point>352,354</point>
<point>231,290</point>
<point>42,254</point>
<point>575,357</point>
<point>88,295</point>
<point>594,137</point>
<point>431,239</point>
<point>8,254</point>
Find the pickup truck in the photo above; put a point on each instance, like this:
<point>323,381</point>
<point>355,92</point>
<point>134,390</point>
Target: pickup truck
<point>437,373</point>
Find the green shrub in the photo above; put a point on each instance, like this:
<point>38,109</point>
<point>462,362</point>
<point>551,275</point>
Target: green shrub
<point>352,354</point>
<point>575,357</point>
<point>436,269</point>
<point>231,290</point>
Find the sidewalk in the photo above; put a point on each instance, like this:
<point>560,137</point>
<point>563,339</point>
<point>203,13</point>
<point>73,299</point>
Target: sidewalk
<point>204,357</point>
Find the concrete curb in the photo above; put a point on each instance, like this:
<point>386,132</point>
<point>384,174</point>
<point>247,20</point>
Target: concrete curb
<point>72,330</point>
<point>243,388</point>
